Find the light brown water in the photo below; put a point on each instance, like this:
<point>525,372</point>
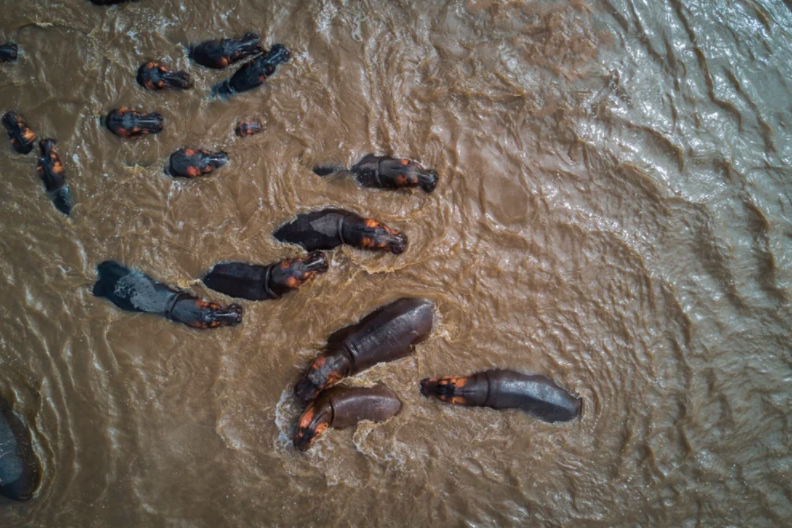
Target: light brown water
<point>614,211</point>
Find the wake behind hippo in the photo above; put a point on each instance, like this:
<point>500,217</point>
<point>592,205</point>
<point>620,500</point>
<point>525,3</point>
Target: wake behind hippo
<point>19,466</point>
<point>257,283</point>
<point>342,407</point>
<point>506,389</point>
<point>385,172</point>
<point>384,335</point>
<point>50,170</point>
<point>220,53</point>
<point>253,73</point>
<point>134,291</point>
<point>329,228</point>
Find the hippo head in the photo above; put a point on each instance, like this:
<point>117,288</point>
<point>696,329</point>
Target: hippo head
<point>324,372</point>
<point>290,274</point>
<point>313,422</point>
<point>198,313</point>
<point>278,54</point>
<point>378,236</point>
<point>449,389</point>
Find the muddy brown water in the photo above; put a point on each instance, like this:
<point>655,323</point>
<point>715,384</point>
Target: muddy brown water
<point>614,211</point>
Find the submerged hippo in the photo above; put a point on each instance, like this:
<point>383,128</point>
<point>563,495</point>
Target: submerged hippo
<point>155,76</point>
<point>384,172</point>
<point>50,170</point>
<point>134,291</point>
<point>384,335</point>
<point>258,283</point>
<point>9,52</point>
<point>191,163</point>
<point>253,73</point>
<point>342,407</point>
<point>221,53</point>
<point>19,466</point>
<point>329,228</point>
<point>127,123</point>
<point>21,135</point>
<point>506,389</point>
<point>248,128</point>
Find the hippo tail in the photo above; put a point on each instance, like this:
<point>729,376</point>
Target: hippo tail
<point>110,272</point>
<point>327,170</point>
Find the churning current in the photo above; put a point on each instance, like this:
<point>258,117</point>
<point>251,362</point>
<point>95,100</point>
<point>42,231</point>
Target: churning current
<point>613,211</point>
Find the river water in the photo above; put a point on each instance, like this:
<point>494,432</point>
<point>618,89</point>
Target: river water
<point>614,211</point>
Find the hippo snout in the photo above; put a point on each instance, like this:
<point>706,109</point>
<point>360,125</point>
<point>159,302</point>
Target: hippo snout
<point>316,261</point>
<point>398,244</point>
<point>428,181</point>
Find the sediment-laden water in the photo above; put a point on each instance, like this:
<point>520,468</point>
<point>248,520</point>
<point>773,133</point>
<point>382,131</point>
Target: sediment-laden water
<point>614,211</point>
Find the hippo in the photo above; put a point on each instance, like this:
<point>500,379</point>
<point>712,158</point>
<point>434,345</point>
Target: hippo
<point>9,52</point>
<point>342,407</point>
<point>154,76</point>
<point>248,128</point>
<point>329,228</point>
<point>134,291</point>
<point>220,53</point>
<point>20,472</point>
<point>50,170</point>
<point>259,283</point>
<point>191,163</point>
<point>22,137</point>
<point>254,72</point>
<point>385,172</point>
<point>386,334</point>
<point>126,123</point>
<point>506,389</point>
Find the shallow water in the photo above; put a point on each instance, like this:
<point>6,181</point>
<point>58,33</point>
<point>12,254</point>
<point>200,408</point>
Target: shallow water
<point>614,211</point>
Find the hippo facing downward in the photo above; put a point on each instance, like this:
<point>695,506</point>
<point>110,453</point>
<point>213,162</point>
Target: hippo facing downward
<point>8,52</point>
<point>134,291</point>
<point>127,123</point>
<point>258,283</point>
<point>329,228</point>
<point>50,170</point>
<point>253,73</point>
<point>384,335</point>
<point>220,53</point>
<point>342,407</point>
<point>190,163</point>
<point>506,389</point>
<point>21,135</point>
<point>155,76</point>
<point>19,466</point>
<point>384,172</point>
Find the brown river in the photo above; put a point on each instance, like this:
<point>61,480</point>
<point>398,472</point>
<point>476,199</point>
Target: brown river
<point>614,211</point>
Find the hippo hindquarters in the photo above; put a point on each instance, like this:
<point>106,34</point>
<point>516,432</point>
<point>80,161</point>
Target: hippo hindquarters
<point>20,475</point>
